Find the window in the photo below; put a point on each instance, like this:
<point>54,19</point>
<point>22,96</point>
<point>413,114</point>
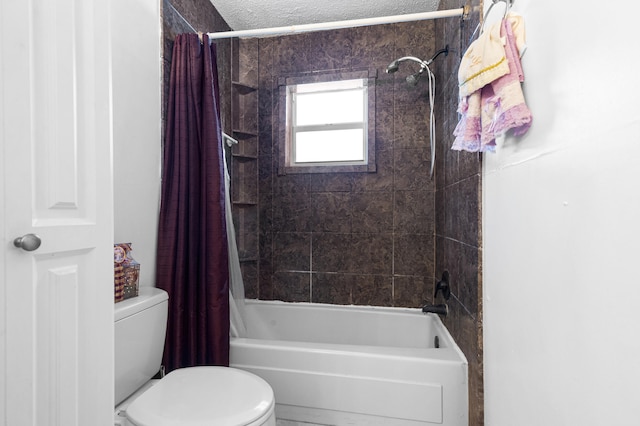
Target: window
<point>328,124</point>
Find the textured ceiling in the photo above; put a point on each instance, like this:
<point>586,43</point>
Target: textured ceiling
<point>254,14</point>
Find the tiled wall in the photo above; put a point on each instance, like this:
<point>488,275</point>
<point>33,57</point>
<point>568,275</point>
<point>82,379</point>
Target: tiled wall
<point>458,218</point>
<point>350,238</point>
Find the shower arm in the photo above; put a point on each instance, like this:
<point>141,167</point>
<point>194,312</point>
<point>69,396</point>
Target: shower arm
<point>414,59</point>
<point>393,67</point>
<point>427,62</point>
<point>445,51</point>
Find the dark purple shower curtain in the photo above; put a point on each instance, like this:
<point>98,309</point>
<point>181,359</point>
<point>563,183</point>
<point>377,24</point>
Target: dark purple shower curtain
<point>192,258</point>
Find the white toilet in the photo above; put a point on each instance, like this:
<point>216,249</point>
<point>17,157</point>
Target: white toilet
<point>195,396</point>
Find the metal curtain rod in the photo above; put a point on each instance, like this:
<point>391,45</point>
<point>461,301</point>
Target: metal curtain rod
<point>463,11</point>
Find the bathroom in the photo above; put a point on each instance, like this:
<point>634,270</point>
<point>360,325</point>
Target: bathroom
<point>538,237</point>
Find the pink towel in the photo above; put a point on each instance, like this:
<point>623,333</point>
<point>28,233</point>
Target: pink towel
<point>496,108</point>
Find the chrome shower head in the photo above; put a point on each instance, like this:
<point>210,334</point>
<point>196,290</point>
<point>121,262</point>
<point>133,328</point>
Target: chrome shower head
<point>393,67</point>
<point>414,78</point>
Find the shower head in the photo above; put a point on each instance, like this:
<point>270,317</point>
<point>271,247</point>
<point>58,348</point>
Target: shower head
<point>393,66</point>
<point>414,78</point>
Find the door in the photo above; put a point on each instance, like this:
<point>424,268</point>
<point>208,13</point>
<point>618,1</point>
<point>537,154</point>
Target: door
<point>56,319</point>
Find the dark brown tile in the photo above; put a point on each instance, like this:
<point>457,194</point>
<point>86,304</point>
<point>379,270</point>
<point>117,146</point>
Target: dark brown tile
<point>247,245</point>
<point>414,212</point>
<point>407,96</point>
<point>245,177</point>
<point>372,290</point>
<point>331,212</point>
<point>371,212</point>
<point>292,212</point>
<point>331,182</point>
<point>382,178</point>
<point>332,288</point>
<point>411,291</point>
<point>370,254</point>
<point>291,54</point>
<point>415,35</point>
<point>247,65</point>
<point>358,289</point>
<point>384,121</point>
<point>441,212</point>
<point>463,198</point>
<point>414,255</point>
<point>291,251</point>
<point>461,261</point>
<point>266,52</point>
<point>266,247</point>
<point>265,281</point>
<point>330,252</point>
<point>330,50</point>
<point>411,168</point>
<point>292,286</point>
<point>370,39</point>
<point>250,278</point>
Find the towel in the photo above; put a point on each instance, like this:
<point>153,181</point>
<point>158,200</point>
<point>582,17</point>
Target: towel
<point>504,106</point>
<point>517,27</point>
<point>499,105</point>
<point>483,62</point>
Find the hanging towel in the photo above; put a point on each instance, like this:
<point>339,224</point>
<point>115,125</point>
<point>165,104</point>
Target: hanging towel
<point>517,27</point>
<point>469,128</point>
<point>504,105</point>
<point>483,62</point>
<point>499,105</point>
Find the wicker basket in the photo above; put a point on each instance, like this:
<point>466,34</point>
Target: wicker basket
<point>126,272</point>
<point>118,281</point>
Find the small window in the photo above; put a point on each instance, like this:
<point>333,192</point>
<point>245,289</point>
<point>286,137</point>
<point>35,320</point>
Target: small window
<point>327,125</point>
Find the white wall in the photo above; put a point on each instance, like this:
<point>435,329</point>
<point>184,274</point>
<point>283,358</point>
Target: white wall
<point>136,123</point>
<point>562,227</point>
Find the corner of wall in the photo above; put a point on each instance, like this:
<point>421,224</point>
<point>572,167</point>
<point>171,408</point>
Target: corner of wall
<point>458,210</point>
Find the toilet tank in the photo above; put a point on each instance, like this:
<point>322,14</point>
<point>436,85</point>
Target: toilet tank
<point>140,327</point>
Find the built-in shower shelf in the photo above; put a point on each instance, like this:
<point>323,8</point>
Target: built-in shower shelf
<point>245,170</point>
<point>244,203</point>
<point>245,156</point>
<point>244,134</point>
<point>243,88</point>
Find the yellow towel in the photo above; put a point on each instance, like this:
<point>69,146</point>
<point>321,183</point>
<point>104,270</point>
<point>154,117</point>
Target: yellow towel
<point>517,26</point>
<point>483,62</point>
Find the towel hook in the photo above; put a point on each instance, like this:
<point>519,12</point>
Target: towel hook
<point>508,4</point>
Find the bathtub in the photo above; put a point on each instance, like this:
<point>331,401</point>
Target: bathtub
<point>349,365</point>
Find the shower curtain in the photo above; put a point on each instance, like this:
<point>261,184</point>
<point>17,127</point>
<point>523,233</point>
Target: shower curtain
<point>236,283</point>
<point>192,255</point>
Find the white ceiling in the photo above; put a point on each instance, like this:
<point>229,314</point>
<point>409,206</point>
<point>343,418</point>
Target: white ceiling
<point>254,14</point>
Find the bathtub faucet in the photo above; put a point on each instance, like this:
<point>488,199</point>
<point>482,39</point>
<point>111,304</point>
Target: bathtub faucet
<point>441,309</point>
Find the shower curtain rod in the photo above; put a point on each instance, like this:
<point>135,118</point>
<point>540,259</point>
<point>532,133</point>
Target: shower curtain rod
<point>463,11</point>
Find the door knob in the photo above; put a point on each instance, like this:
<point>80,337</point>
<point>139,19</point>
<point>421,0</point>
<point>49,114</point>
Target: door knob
<point>28,242</point>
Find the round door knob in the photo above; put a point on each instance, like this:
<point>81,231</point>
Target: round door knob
<point>29,242</point>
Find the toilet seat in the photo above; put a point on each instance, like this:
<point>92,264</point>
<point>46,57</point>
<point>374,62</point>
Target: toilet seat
<point>204,396</point>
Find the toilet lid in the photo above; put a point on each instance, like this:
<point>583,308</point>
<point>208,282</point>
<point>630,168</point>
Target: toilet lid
<point>199,396</point>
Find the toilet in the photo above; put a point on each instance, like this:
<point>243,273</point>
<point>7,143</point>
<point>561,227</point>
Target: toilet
<point>194,396</point>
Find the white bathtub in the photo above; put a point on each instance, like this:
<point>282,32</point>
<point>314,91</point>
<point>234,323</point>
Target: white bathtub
<point>348,365</point>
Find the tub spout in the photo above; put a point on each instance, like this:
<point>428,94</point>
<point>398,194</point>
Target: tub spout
<point>441,309</point>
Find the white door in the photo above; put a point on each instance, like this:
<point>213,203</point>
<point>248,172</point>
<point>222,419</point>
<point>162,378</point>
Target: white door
<point>56,302</point>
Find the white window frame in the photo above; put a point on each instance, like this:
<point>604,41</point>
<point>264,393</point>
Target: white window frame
<point>293,128</point>
<point>290,87</point>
